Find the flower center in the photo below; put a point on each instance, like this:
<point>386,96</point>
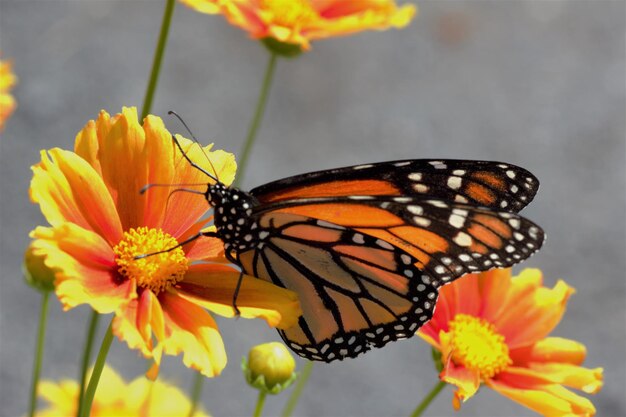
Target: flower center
<point>290,13</point>
<point>155,272</point>
<point>478,346</point>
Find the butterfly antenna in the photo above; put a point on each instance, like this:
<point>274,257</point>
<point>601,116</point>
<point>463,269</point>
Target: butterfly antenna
<point>216,177</point>
<point>146,187</point>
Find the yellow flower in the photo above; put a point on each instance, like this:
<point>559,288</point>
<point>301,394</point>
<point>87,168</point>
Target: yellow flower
<point>114,397</point>
<point>100,223</point>
<point>7,101</point>
<point>493,329</point>
<point>297,22</point>
<point>270,367</point>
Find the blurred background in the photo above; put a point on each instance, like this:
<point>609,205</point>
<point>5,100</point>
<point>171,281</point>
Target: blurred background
<point>540,84</point>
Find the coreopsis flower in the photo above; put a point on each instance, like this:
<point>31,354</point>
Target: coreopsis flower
<point>7,101</point>
<point>100,223</point>
<point>493,329</point>
<point>115,397</point>
<point>270,367</point>
<point>298,22</point>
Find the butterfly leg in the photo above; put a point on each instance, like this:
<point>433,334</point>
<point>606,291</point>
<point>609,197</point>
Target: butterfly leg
<point>236,293</point>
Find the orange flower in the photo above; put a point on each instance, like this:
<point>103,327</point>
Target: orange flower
<point>7,101</point>
<point>115,397</point>
<point>298,22</point>
<point>493,329</point>
<point>100,223</point>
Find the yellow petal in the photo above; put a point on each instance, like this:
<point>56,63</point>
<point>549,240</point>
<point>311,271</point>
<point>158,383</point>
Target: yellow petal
<point>213,287</point>
<point>585,379</point>
<point>85,267</point>
<point>551,349</point>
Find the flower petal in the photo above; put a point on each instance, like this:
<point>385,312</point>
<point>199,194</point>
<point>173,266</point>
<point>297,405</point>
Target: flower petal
<point>494,287</point>
<point>126,329</point>
<point>547,400</point>
<point>551,349</point>
<point>213,287</point>
<point>68,189</point>
<point>540,312</point>
<point>584,379</point>
<point>85,267</point>
<point>192,331</point>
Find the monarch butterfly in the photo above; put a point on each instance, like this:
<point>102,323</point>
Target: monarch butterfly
<point>367,247</point>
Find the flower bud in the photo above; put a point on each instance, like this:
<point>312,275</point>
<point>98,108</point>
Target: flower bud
<point>36,273</point>
<point>270,367</point>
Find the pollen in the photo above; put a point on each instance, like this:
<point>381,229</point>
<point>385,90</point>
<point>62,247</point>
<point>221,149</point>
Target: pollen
<point>477,345</point>
<point>290,13</point>
<point>156,271</point>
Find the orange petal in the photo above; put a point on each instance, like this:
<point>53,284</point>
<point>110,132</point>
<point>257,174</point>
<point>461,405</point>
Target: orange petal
<point>192,331</point>
<point>125,328</point>
<point>202,247</point>
<point>584,379</point>
<point>551,349</point>
<point>536,313</point>
<point>68,189</point>
<point>428,336</point>
<point>494,286</point>
<point>86,270</point>
<point>213,286</point>
<point>547,400</point>
<point>150,317</point>
<point>466,381</point>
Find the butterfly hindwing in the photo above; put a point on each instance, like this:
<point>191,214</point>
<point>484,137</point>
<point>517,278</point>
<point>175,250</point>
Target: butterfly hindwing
<point>484,183</point>
<point>356,291</point>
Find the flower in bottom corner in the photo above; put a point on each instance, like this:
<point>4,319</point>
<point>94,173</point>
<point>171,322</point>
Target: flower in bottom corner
<point>294,23</point>
<point>492,329</point>
<point>115,397</point>
<point>100,223</point>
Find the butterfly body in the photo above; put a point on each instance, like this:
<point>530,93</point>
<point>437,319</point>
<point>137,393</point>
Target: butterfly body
<point>367,247</point>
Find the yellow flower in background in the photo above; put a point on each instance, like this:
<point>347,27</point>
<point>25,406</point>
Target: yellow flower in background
<point>493,329</point>
<point>114,397</point>
<point>100,223</point>
<point>297,22</point>
<point>270,367</point>
<point>7,101</point>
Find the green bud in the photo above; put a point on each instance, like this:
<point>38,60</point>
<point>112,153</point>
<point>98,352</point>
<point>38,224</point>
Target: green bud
<point>36,273</point>
<point>284,49</point>
<point>270,367</point>
<point>437,359</point>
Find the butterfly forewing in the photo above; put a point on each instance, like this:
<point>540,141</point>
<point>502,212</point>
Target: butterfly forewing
<point>485,183</point>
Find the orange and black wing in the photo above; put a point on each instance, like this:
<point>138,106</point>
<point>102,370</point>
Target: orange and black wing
<point>484,183</point>
<point>367,269</point>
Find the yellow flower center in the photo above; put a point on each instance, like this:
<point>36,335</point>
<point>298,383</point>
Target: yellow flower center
<point>155,272</point>
<point>478,346</point>
<point>290,13</point>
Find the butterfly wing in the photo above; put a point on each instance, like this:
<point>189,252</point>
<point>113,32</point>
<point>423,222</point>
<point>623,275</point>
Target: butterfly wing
<point>367,268</point>
<point>484,183</point>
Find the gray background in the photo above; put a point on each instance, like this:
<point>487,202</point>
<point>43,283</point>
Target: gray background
<point>535,83</point>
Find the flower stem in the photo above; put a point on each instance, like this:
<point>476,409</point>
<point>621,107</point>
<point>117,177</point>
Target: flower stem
<point>41,334</point>
<point>428,399</point>
<point>297,390</point>
<point>97,371</point>
<point>195,393</point>
<point>93,325</point>
<point>158,58</point>
<point>259,403</point>
<point>256,120</point>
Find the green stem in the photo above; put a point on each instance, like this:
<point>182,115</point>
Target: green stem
<point>428,399</point>
<point>91,332</point>
<point>256,120</point>
<point>259,403</point>
<point>41,334</point>
<point>158,58</point>
<point>97,371</point>
<point>297,390</point>
<point>195,393</point>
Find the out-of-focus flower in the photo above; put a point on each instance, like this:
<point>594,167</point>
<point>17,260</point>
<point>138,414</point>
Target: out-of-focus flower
<point>270,367</point>
<point>297,22</point>
<point>493,329</point>
<point>100,223</point>
<point>114,397</point>
<point>36,273</point>
<point>7,101</point>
